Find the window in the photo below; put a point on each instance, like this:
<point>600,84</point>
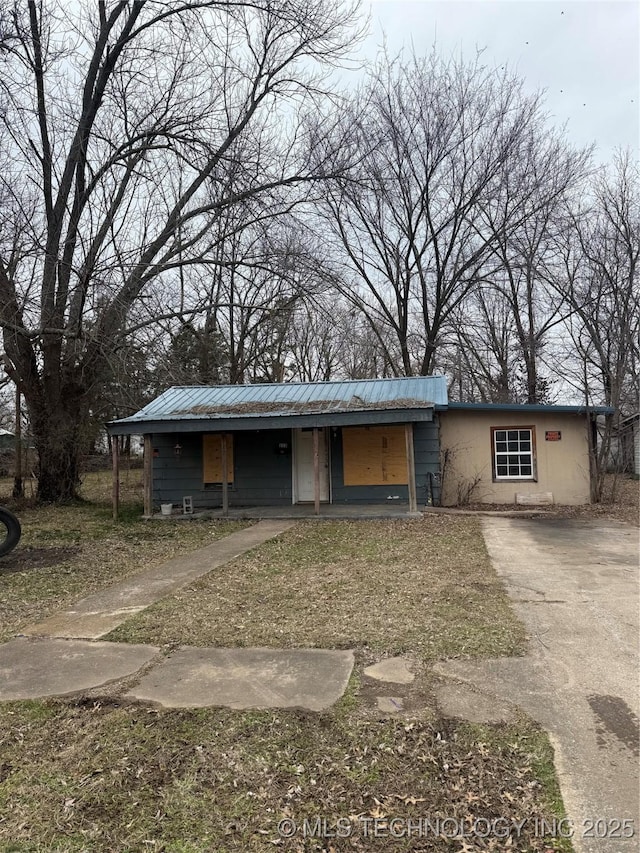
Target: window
<point>514,453</point>
<point>212,458</point>
<point>374,456</point>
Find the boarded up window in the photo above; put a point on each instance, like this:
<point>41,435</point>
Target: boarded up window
<point>212,458</point>
<point>374,456</point>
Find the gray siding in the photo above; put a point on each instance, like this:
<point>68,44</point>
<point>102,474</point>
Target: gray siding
<point>426,442</point>
<point>262,476</point>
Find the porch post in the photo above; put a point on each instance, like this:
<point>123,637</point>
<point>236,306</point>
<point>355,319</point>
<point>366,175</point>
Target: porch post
<point>148,477</point>
<point>223,464</point>
<point>316,471</point>
<point>115,477</point>
<point>411,468</point>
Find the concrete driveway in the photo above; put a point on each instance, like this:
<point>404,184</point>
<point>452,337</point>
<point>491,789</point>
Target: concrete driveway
<point>574,584</point>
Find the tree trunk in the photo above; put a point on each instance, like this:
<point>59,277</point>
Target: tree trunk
<point>57,435</point>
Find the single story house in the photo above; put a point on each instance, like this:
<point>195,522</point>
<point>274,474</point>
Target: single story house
<point>7,440</point>
<point>368,441</point>
<point>374,441</point>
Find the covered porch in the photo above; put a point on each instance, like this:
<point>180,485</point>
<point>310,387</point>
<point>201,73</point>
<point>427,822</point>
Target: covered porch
<point>365,448</point>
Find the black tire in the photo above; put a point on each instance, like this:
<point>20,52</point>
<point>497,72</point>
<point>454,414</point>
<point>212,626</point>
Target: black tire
<point>13,531</point>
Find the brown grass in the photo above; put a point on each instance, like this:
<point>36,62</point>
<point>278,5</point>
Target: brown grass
<point>87,776</point>
<point>425,588</point>
<point>96,774</point>
<point>67,552</point>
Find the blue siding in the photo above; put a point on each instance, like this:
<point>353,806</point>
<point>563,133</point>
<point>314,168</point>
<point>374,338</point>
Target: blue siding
<point>263,476</point>
<point>427,461</point>
<point>426,443</point>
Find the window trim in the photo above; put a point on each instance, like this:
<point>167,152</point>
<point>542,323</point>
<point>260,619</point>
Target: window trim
<point>512,478</point>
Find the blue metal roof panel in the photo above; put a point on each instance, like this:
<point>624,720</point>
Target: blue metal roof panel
<point>288,398</point>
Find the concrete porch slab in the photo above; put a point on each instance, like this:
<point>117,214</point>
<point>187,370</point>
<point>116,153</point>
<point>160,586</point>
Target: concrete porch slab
<point>37,668</point>
<point>313,679</point>
<point>357,512</point>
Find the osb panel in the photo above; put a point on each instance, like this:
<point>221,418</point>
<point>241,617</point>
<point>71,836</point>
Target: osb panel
<point>374,456</point>
<point>212,458</point>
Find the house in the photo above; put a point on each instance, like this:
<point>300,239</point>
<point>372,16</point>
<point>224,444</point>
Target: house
<point>377,441</point>
<point>353,442</point>
<point>7,440</point>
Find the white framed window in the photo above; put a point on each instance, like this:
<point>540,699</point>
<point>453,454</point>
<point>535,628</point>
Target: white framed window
<point>513,453</point>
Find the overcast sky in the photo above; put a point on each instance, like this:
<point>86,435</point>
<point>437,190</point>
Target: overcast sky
<point>584,53</point>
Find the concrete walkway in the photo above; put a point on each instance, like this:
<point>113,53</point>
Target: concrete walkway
<point>98,614</point>
<point>574,584</point>
<point>59,656</point>
<point>313,679</point>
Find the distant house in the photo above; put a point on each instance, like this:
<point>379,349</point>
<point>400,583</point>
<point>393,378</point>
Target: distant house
<point>378,441</point>
<point>7,440</point>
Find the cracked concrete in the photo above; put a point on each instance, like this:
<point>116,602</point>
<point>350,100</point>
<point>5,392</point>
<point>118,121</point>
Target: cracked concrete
<point>574,584</point>
<point>38,668</point>
<point>390,670</point>
<point>313,679</point>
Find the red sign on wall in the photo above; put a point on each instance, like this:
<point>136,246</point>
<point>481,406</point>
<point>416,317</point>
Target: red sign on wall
<point>552,435</point>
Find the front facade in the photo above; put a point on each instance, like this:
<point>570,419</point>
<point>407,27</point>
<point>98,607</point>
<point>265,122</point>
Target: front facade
<point>389,441</point>
<point>275,467</point>
<point>360,442</point>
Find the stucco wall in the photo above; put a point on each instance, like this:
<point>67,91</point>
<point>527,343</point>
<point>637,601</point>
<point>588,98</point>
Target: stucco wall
<point>562,466</point>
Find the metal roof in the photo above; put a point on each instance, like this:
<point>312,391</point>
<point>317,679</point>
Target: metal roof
<point>534,407</point>
<point>189,403</point>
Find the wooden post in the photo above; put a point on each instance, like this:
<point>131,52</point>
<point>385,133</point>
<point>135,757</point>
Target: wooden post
<point>148,477</point>
<point>18,486</point>
<point>115,482</point>
<point>316,470</point>
<point>411,468</point>
<point>225,479</point>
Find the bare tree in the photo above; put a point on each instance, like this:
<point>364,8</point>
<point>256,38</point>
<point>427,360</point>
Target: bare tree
<point>120,124</point>
<point>601,256</point>
<point>448,166</point>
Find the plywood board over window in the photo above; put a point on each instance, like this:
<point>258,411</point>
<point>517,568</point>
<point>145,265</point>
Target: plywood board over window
<point>374,456</point>
<point>212,458</point>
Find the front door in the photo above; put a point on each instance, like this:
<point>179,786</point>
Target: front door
<point>304,465</point>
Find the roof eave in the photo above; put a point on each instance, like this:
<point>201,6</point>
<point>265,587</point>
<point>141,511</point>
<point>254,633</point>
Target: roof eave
<point>533,407</point>
<point>364,417</point>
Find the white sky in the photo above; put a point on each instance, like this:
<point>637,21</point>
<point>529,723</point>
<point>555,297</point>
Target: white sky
<point>584,53</point>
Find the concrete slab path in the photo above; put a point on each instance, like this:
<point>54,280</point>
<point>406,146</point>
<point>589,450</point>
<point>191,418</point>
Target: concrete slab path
<point>38,668</point>
<point>574,584</point>
<point>247,678</point>
<point>98,614</point>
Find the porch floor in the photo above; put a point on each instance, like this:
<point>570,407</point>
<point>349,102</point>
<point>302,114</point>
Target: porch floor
<point>354,511</point>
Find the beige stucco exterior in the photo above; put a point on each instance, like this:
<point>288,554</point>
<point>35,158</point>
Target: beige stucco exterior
<point>562,467</point>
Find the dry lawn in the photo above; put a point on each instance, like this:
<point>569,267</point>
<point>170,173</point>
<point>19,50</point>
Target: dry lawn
<point>67,552</point>
<point>87,776</point>
<point>96,774</point>
<point>386,587</point>
<point>620,502</point>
